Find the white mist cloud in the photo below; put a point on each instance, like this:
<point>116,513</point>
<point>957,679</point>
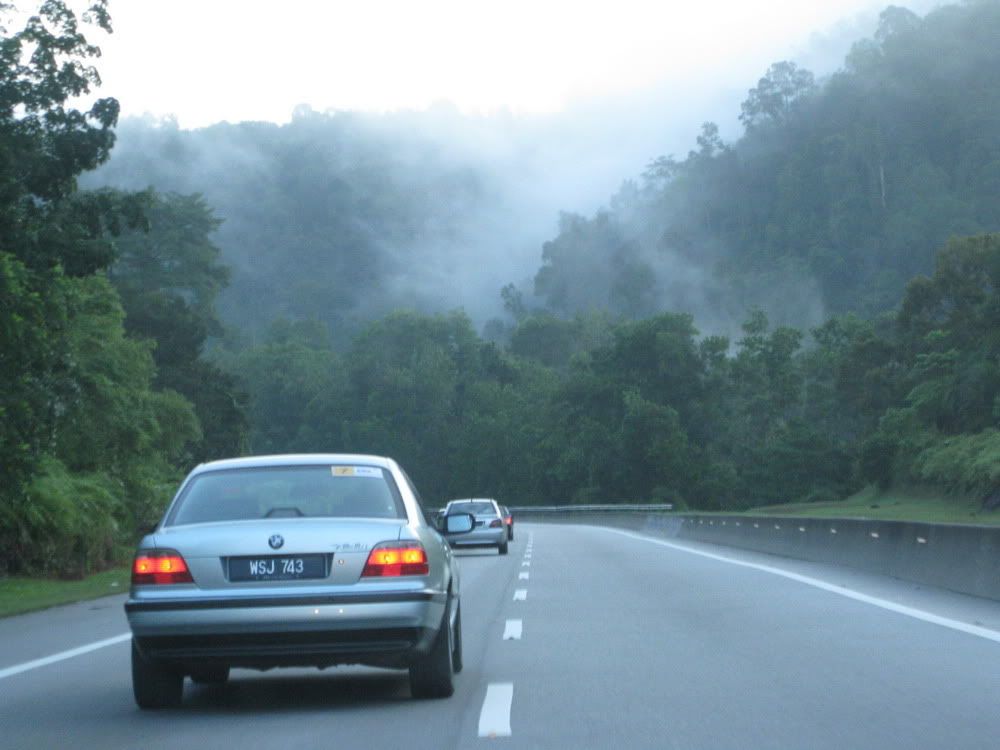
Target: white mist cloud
<point>235,60</point>
<point>557,102</point>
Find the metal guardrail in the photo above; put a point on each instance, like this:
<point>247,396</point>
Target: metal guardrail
<point>958,557</point>
<point>607,508</point>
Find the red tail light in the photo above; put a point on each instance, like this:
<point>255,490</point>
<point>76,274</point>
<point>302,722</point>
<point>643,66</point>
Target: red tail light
<point>160,566</point>
<point>390,559</point>
<point>496,523</point>
<point>510,520</point>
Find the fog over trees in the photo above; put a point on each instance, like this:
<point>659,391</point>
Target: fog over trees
<point>838,191</point>
<point>786,313</point>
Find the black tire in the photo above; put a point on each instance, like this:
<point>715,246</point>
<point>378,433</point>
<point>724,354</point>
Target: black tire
<point>155,684</point>
<point>210,676</point>
<point>503,548</point>
<point>456,652</point>
<point>432,674</point>
<point>510,534</point>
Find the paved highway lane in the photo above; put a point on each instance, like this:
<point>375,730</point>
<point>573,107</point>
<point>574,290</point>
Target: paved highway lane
<point>580,637</point>
<point>87,701</point>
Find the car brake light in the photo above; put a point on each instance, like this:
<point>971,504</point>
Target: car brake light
<point>496,523</point>
<point>160,566</point>
<point>391,559</point>
<point>510,520</point>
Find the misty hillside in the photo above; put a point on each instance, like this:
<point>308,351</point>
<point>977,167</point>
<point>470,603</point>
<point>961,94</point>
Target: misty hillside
<point>326,218</point>
<point>837,194</point>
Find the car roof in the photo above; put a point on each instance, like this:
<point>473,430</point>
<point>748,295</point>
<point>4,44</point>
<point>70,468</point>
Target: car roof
<point>473,500</point>
<point>295,459</point>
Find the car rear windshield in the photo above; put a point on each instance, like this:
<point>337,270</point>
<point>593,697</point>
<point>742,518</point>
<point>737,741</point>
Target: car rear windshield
<point>289,492</point>
<point>477,509</point>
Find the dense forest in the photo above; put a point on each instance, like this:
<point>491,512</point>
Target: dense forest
<point>837,194</point>
<point>149,321</point>
<point>339,218</point>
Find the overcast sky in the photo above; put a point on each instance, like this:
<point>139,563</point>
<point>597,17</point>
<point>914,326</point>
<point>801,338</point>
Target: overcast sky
<point>210,60</point>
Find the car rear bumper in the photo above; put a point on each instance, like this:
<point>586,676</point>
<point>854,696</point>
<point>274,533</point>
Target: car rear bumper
<point>480,537</point>
<point>383,629</point>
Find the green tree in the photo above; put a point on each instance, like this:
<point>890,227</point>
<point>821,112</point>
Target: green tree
<point>46,229</point>
<point>169,275</point>
<point>776,94</point>
<point>87,448</point>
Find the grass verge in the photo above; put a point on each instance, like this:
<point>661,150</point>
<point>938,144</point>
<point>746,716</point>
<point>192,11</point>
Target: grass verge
<point>892,505</point>
<point>20,595</point>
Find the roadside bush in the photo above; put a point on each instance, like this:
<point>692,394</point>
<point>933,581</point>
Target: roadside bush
<point>589,496</point>
<point>823,495</point>
<point>965,463</point>
<point>876,459</point>
<point>70,520</point>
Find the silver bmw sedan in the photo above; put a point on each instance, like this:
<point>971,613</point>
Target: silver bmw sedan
<point>280,561</point>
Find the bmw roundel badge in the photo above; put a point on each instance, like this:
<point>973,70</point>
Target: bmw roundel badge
<point>276,541</point>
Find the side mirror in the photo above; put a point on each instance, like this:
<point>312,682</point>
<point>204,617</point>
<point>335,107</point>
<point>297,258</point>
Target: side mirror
<point>460,523</point>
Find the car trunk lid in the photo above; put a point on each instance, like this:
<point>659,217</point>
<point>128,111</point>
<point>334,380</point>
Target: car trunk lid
<point>344,545</point>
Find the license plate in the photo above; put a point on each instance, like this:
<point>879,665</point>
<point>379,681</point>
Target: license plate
<point>277,568</point>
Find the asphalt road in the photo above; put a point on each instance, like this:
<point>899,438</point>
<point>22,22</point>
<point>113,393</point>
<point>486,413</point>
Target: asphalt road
<point>579,638</point>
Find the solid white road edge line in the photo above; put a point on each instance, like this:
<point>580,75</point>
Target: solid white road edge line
<point>917,614</point>
<point>520,595</point>
<point>62,655</point>
<point>494,717</point>
<point>512,630</point>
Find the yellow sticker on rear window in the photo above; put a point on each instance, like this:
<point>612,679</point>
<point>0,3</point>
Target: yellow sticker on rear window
<point>372,472</point>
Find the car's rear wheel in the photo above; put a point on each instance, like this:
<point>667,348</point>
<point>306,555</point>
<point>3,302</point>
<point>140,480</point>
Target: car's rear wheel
<point>155,684</point>
<point>210,675</point>
<point>432,674</point>
<point>503,548</point>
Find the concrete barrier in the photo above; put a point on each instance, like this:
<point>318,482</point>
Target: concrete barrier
<point>952,556</point>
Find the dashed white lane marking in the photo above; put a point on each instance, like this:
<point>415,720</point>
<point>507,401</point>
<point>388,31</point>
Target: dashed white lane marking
<point>520,595</point>
<point>523,575</point>
<point>494,717</point>
<point>62,655</point>
<point>512,630</point>
<point>917,614</point>
<point>525,563</point>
